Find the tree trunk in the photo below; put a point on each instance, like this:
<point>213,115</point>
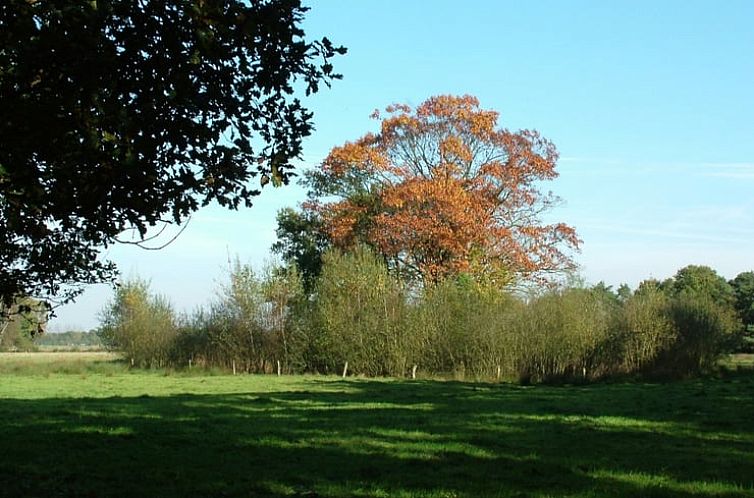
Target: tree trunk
<point>2,329</point>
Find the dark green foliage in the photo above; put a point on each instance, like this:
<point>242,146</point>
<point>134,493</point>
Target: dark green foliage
<point>302,242</point>
<point>743,289</point>
<point>704,330</point>
<point>122,115</point>
<point>254,323</point>
<point>148,434</point>
<point>700,282</point>
<point>624,293</point>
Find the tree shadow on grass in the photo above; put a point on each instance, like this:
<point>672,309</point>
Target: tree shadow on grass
<point>396,438</point>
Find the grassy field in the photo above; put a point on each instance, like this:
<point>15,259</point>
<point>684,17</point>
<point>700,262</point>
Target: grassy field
<point>97,429</point>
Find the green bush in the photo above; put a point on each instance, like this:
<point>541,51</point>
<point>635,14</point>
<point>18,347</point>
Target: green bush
<point>565,335</point>
<point>359,314</point>
<point>463,329</point>
<point>139,324</point>
<point>704,330</point>
<point>359,317</point>
<point>646,329</point>
<point>233,324</point>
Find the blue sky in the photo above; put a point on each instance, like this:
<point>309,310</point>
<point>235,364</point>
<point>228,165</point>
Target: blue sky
<point>649,103</point>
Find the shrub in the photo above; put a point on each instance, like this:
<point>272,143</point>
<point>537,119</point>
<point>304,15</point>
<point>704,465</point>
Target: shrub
<point>704,329</point>
<point>358,317</point>
<point>563,335</point>
<point>646,329</point>
<point>462,328</point>
<point>139,324</point>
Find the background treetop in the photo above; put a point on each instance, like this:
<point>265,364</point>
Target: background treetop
<point>121,115</point>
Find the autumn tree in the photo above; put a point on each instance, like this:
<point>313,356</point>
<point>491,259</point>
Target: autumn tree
<point>441,190</point>
<point>120,116</point>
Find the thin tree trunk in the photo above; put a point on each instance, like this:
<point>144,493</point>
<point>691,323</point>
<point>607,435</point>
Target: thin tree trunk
<point>2,330</point>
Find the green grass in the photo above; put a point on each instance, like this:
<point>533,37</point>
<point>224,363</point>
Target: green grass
<point>108,431</point>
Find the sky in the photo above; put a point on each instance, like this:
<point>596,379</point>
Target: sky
<point>649,103</point>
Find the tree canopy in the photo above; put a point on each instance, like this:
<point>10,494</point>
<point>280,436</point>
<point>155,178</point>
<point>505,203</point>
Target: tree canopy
<point>440,190</point>
<point>743,290</point>
<point>121,116</point>
<point>302,241</point>
<point>703,282</point>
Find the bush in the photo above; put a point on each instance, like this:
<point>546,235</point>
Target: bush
<point>704,330</point>
<point>233,324</point>
<point>360,314</point>
<point>464,329</point>
<point>565,335</point>
<point>358,317</point>
<point>139,324</point>
<point>646,329</point>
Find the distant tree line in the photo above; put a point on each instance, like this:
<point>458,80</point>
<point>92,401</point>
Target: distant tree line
<point>70,339</point>
<point>359,319</point>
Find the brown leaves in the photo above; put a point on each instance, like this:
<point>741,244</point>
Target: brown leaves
<point>453,193</point>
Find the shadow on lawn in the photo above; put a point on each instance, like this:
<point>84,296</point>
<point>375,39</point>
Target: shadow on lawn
<point>375,438</point>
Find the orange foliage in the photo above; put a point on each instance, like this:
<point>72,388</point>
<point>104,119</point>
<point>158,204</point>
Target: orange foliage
<point>441,191</point>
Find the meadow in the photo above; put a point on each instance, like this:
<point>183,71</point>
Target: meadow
<point>83,424</point>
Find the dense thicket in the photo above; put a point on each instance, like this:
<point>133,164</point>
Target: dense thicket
<point>360,316</point>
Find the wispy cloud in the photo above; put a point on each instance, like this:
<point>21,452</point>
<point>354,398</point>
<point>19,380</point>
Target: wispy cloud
<point>733,169</point>
<point>736,171</point>
<point>718,223</point>
<point>658,232</point>
<point>732,165</point>
<point>736,175</point>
